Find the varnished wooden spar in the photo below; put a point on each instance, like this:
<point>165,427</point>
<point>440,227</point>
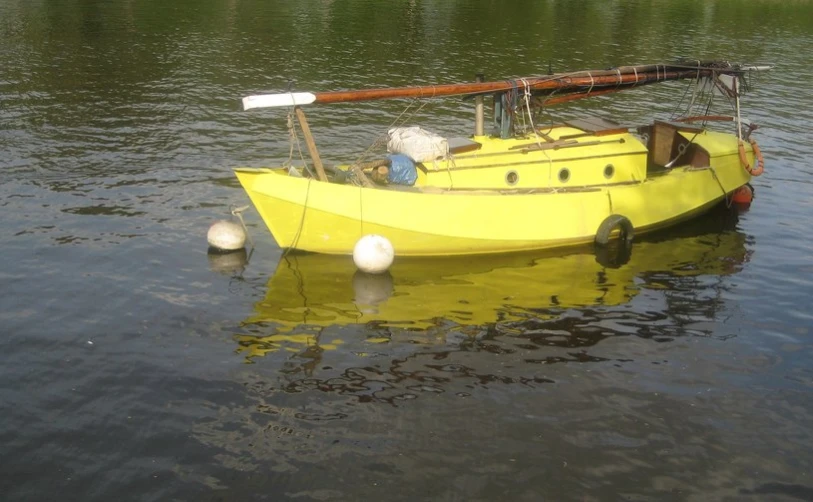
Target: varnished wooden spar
<point>626,76</point>
<point>552,82</point>
<point>311,144</point>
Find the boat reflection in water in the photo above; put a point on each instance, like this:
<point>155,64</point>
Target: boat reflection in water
<point>316,303</point>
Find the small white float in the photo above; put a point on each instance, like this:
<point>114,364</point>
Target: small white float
<point>226,236</point>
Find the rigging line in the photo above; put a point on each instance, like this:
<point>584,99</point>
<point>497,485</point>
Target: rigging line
<point>550,168</point>
<point>361,212</point>
<point>737,104</point>
<point>706,95</point>
<point>528,108</point>
<point>694,86</point>
<point>711,100</point>
<point>544,109</point>
<point>522,115</point>
<point>541,109</point>
<point>293,135</point>
<point>294,139</point>
<point>681,150</point>
<point>723,91</point>
<point>449,166</point>
<point>301,221</point>
<point>680,102</point>
<point>527,100</point>
<point>720,184</point>
<point>509,101</point>
<point>393,124</point>
<point>694,89</point>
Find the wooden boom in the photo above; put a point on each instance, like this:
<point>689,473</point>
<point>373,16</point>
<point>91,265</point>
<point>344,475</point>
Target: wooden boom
<point>625,76</point>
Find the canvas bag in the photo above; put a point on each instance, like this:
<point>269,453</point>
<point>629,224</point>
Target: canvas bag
<point>417,144</point>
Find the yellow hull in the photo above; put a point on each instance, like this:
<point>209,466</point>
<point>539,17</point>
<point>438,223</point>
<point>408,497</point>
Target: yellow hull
<point>462,206</point>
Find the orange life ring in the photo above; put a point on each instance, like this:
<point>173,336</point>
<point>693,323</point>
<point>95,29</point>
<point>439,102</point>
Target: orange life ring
<point>759,168</point>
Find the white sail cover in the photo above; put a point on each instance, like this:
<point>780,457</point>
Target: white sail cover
<point>417,144</point>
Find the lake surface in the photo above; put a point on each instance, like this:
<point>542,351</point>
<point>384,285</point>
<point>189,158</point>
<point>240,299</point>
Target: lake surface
<point>136,367</point>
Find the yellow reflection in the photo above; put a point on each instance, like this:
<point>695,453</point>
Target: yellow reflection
<point>310,292</point>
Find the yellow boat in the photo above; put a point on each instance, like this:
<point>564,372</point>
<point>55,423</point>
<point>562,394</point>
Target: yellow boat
<point>583,181</point>
<point>311,292</point>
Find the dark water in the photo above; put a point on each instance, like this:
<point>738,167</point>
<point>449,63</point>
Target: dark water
<point>135,367</point>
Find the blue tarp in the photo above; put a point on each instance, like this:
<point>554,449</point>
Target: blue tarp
<point>402,170</point>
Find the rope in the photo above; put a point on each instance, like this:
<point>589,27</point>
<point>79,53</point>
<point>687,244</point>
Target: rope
<point>381,140</point>
<point>528,109</point>
<point>737,106</point>
<point>301,220</point>
<point>509,106</point>
<point>680,102</point>
<point>720,184</point>
<point>238,211</point>
<point>402,118</point>
<point>361,213</point>
<point>293,139</point>
<point>694,94</point>
<point>681,150</point>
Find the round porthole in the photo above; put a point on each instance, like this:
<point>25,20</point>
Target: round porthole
<point>609,171</point>
<point>511,178</point>
<point>564,174</point>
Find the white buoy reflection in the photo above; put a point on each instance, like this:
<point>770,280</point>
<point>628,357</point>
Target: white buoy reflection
<point>371,290</point>
<point>231,263</point>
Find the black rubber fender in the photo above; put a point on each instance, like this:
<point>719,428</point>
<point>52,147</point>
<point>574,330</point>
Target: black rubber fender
<point>613,222</point>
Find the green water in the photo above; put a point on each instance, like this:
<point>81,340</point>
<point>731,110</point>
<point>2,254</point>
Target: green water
<point>135,367</point>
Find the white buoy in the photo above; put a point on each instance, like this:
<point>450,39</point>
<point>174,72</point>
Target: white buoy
<point>226,235</point>
<point>373,254</point>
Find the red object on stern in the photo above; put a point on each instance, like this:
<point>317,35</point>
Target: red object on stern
<point>743,195</point>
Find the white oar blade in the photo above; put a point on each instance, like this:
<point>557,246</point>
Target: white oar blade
<point>274,100</point>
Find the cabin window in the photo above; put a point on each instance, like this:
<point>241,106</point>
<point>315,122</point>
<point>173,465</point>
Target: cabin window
<point>564,175</point>
<point>609,171</point>
<point>511,178</point>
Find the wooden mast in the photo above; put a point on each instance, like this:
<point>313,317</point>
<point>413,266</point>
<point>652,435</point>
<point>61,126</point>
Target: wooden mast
<point>479,110</point>
<point>535,84</point>
<point>625,76</point>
